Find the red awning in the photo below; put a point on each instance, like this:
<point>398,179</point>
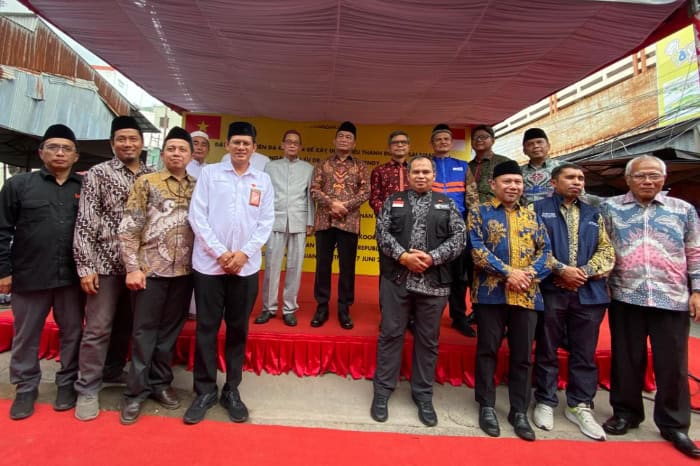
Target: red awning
<point>389,62</point>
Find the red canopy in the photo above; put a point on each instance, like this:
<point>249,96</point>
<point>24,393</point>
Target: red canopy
<point>371,61</point>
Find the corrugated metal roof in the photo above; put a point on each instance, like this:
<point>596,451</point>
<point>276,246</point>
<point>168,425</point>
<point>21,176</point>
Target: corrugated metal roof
<point>32,102</point>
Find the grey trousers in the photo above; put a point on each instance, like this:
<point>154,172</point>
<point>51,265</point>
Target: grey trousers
<point>397,305</point>
<point>100,312</point>
<point>30,310</point>
<point>274,254</point>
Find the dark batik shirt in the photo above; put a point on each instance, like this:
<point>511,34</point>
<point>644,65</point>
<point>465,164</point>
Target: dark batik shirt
<point>387,179</point>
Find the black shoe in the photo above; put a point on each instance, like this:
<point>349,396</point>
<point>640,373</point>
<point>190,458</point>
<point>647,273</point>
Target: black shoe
<point>264,317</point>
<point>682,442</point>
<point>198,409</point>
<point>618,425</point>
<point>488,421</point>
<point>131,408</point>
<point>345,320</point>
<point>320,318</point>
<point>471,318</point>
<point>521,426</point>
<point>167,398</point>
<point>290,320</point>
<point>66,397</point>
<point>118,379</point>
<point>231,401</point>
<point>426,412</point>
<point>380,408</point>
<point>23,406</point>
<point>463,327</point>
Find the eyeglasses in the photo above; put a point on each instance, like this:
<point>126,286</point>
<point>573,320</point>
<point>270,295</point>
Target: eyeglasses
<point>481,138</point>
<point>292,143</point>
<point>400,142</point>
<point>54,148</point>
<point>647,176</point>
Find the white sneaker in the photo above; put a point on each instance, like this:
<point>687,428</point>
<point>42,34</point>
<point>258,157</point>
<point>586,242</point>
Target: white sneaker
<point>543,416</point>
<point>582,416</point>
<point>87,407</point>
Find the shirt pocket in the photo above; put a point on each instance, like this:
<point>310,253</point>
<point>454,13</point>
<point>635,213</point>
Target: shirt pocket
<point>36,210</point>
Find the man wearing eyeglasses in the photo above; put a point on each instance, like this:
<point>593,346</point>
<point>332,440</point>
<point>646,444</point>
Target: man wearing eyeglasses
<point>37,216</point>
<point>391,177</point>
<point>108,314</point>
<point>454,179</point>
<point>483,138</point>
<point>294,221</point>
<point>655,288</point>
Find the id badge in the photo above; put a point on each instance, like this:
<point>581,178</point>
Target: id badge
<point>255,195</point>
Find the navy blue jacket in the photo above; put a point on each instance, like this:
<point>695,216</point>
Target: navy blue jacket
<point>548,209</point>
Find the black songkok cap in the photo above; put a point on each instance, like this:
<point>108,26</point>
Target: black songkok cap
<point>179,133</point>
<point>349,127</point>
<point>125,122</point>
<point>509,167</point>
<point>241,128</point>
<point>534,133</point>
<point>59,131</point>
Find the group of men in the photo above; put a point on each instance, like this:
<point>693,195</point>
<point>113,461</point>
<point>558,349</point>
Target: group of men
<point>117,253</point>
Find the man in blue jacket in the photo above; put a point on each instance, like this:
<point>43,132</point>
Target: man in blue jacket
<point>575,297</point>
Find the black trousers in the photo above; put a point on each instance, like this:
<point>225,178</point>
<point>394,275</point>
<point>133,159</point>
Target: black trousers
<point>668,331</point>
<point>492,320</point>
<point>398,305</point>
<point>459,269</point>
<point>346,243</point>
<point>160,311</point>
<point>227,297</point>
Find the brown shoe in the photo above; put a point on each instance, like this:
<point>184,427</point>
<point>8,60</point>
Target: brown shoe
<point>131,409</point>
<point>167,398</point>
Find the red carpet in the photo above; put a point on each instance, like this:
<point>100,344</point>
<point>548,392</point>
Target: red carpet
<point>306,351</point>
<point>159,440</point>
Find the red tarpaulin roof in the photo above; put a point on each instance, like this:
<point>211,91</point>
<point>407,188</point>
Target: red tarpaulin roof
<point>375,62</point>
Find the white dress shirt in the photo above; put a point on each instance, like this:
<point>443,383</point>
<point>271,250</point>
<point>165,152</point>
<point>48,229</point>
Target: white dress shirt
<point>224,218</point>
<point>257,160</point>
<point>194,168</point>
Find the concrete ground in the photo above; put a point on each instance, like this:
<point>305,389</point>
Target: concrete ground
<point>335,402</point>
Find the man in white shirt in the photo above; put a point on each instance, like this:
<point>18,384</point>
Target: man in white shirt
<point>231,214</point>
<point>257,161</point>
<point>294,221</point>
<point>200,141</point>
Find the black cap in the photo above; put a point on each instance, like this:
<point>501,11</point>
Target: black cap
<point>125,122</point>
<point>179,133</point>
<point>349,127</point>
<point>509,167</point>
<point>242,128</point>
<point>59,131</point>
<point>534,133</point>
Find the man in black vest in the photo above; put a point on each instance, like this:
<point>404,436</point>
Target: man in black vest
<point>575,297</point>
<point>418,233</point>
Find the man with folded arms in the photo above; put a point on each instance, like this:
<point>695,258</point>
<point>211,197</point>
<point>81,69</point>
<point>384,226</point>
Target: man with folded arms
<point>340,185</point>
<point>655,287</point>
<point>294,221</point>
<point>155,240</point>
<point>108,315</point>
<point>37,217</point>
<point>231,213</point>
<point>575,298</point>
<point>418,232</point>
<point>511,254</point>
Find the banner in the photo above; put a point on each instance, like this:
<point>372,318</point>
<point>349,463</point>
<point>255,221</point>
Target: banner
<point>677,78</point>
<point>317,145</point>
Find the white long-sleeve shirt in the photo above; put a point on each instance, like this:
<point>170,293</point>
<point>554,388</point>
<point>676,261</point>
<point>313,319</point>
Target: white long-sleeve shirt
<point>224,217</point>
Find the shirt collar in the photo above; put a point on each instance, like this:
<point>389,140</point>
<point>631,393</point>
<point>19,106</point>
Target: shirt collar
<point>497,204</point>
<point>629,198</point>
<point>544,164</point>
<point>165,174</point>
<point>336,157</point>
<point>47,175</point>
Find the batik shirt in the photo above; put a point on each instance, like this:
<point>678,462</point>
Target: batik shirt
<point>386,180</point>
<point>503,240</point>
<point>538,181</point>
<point>346,181</point>
<point>154,235</point>
<point>483,171</point>
<point>657,251</point>
<point>106,187</point>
